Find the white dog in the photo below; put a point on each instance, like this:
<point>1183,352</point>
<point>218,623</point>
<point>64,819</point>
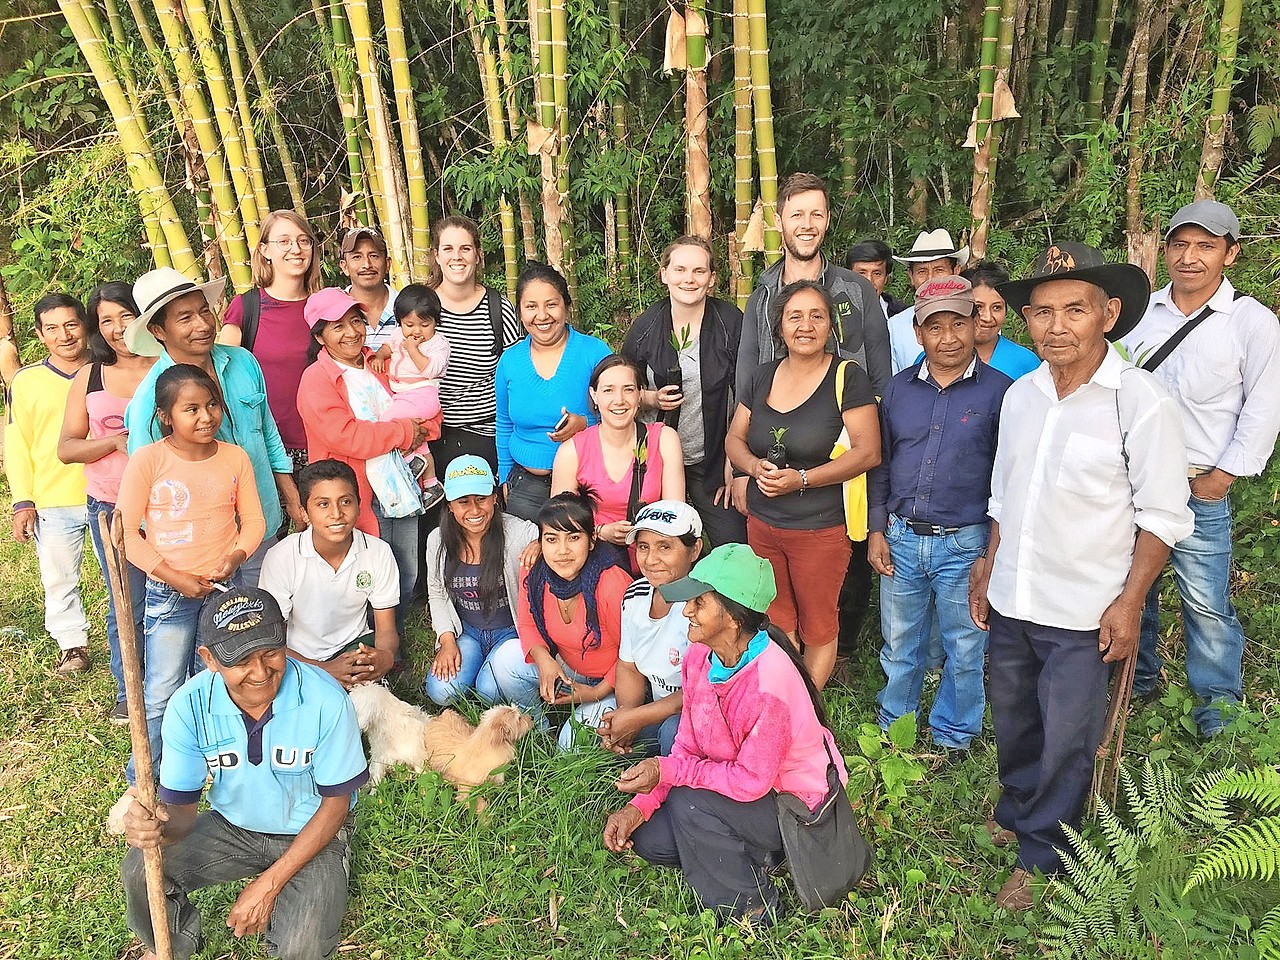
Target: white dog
<point>466,756</point>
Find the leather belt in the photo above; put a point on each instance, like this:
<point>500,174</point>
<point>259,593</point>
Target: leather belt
<point>922,528</point>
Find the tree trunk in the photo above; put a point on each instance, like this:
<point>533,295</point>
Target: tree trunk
<point>762,101</point>
<point>743,180</point>
<point>980,204</point>
<point>697,154</point>
<point>559,50</point>
<point>1223,80</point>
<point>410,143</point>
<point>240,91</point>
<point>344,69</point>
<point>547,146</point>
<point>621,199</point>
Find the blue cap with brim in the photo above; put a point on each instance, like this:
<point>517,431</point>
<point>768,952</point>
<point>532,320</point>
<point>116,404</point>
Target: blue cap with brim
<point>468,476</point>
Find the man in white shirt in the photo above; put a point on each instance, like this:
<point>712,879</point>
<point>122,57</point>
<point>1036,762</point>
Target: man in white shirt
<point>933,255</point>
<point>1088,493</point>
<point>1217,352</point>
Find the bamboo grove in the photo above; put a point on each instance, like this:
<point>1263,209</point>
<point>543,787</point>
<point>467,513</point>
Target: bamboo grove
<point>590,132</point>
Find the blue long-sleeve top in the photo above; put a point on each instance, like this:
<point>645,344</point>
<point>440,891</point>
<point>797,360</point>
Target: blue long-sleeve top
<point>529,407</point>
<point>938,447</point>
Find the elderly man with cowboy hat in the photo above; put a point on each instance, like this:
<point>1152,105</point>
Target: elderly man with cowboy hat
<point>178,325</point>
<point>1088,493</point>
<point>1217,352</point>
<point>933,255</point>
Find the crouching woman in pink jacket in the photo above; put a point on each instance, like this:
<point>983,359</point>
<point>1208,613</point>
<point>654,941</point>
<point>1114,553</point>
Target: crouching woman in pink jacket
<point>752,726</point>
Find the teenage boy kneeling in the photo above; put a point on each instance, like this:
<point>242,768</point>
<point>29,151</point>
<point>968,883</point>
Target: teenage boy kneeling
<point>279,744</point>
<point>327,577</point>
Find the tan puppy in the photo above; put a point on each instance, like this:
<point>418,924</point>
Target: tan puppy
<point>466,756</point>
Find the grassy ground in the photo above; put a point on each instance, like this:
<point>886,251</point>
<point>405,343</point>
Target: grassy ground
<point>533,880</point>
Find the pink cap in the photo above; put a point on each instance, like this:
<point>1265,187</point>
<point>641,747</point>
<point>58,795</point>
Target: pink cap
<point>331,303</point>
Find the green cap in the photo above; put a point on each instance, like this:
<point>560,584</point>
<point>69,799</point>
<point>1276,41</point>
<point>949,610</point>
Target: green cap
<point>732,570</point>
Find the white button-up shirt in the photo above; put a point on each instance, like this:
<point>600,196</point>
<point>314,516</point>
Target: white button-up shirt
<point>904,348</point>
<point>1074,481</point>
<point>1224,377</point>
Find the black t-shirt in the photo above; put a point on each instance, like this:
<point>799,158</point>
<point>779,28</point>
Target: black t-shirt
<point>811,431</point>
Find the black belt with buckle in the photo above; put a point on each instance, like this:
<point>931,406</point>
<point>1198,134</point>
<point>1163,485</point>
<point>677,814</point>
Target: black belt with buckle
<point>922,528</point>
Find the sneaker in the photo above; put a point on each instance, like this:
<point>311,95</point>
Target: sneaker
<point>1016,894</point>
<point>432,495</point>
<point>417,466</point>
<point>75,660</point>
<point>119,715</point>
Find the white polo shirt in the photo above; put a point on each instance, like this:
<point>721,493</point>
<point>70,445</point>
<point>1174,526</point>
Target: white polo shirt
<point>326,609</point>
<point>1070,495</point>
<point>656,647</point>
<point>1224,377</point>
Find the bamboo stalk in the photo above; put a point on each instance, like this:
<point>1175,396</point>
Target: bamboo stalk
<point>154,198</point>
<point>145,786</point>
<point>1103,25</point>
<point>1223,79</point>
<point>240,91</point>
<point>235,143</point>
<point>410,142</point>
<point>488,66</point>
<point>231,235</point>
<point>393,195</point>
<point>552,207</point>
<point>343,69</point>
<point>762,101</point>
<point>1141,242</point>
<point>980,205</point>
<point>621,199</point>
<point>743,182</point>
<point>697,153</point>
<point>527,229</point>
<point>559,47</point>
<point>283,153</point>
<point>158,63</point>
<point>1004,64</point>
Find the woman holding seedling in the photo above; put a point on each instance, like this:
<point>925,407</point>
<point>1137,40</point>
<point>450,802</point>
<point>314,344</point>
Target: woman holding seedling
<point>783,435</point>
<point>687,344</point>
<point>626,464</point>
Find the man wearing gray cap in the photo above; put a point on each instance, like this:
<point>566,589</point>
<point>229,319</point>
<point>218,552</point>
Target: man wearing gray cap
<point>1217,352</point>
<point>279,744</point>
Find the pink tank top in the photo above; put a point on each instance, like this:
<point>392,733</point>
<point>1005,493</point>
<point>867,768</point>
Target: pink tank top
<point>106,419</point>
<point>613,495</point>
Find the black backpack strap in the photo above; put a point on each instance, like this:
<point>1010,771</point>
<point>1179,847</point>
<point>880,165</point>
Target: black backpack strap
<point>251,312</point>
<point>95,378</point>
<point>494,299</point>
<point>638,467</point>
<point>1170,345</point>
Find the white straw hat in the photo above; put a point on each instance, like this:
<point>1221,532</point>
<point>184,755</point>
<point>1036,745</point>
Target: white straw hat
<point>151,292</point>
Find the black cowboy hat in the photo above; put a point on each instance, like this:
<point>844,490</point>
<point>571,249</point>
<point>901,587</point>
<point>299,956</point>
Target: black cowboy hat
<point>1077,261</point>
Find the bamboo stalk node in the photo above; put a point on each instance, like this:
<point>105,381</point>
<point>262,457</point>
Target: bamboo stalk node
<point>1002,108</point>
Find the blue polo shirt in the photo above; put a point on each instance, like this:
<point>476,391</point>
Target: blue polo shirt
<point>268,775</point>
<point>247,421</point>
<point>938,447</point>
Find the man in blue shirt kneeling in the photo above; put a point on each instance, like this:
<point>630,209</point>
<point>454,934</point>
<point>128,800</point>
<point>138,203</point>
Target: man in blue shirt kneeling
<point>280,742</point>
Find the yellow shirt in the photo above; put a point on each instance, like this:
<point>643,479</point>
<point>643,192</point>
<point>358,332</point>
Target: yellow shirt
<point>37,401</point>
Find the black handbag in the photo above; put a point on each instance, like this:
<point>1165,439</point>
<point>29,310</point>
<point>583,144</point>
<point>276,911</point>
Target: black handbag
<point>826,852</point>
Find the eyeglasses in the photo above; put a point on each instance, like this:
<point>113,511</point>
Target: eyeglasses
<point>287,243</point>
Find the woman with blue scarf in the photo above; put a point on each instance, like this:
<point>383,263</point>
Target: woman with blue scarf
<point>568,621</point>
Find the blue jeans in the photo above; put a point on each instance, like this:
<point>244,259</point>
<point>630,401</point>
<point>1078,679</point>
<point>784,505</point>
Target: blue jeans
<point>517,679</point>
<point>170,627</point>
<point>306,922</point>
<point>475,673</point>
<point>401,535</point>
<point>59,549</point>
<point>656,739</point>
<point>931,582</point>
<point>137,594</point>
<point>1214,636</point>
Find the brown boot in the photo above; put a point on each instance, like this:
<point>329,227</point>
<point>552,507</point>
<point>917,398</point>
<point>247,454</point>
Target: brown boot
<point>1000,837</point>
<point>1016,893</point>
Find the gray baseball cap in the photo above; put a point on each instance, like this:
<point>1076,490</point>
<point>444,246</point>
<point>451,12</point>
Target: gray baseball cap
<point>239,622</point>
<point>1217,218</point>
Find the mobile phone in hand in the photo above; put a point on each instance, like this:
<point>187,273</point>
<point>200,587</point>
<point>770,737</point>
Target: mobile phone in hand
<point>562,423</point>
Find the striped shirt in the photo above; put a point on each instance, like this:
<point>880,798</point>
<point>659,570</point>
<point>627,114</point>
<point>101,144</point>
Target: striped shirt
<point>466,392</point>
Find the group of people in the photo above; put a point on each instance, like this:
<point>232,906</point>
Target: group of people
<point>1018,508</point>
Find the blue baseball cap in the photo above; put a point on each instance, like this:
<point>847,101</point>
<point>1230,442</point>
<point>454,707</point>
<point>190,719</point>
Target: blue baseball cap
<point>468,476</point>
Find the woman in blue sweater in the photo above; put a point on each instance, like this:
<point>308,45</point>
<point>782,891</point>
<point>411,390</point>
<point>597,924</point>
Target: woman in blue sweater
<point>541,386</point>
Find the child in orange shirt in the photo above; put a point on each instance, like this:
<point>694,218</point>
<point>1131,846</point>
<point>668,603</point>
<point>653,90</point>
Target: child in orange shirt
<point>198,500</point>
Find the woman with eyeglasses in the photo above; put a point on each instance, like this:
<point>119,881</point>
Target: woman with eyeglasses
<point>268,320</point>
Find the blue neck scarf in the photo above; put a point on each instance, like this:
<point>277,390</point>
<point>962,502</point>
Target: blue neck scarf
<point>719,673</point>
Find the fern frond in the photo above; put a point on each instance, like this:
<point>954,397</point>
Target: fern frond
<point>1259,786</point>
<point>1250,851</point>
<point>1208,806</point>
<point>1266,936</point>
<point>1264,126</point>
<point>1159,806</point>
<point>1123,843</point>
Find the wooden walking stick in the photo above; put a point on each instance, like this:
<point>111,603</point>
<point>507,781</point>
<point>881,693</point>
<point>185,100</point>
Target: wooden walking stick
<point>1106,764</point>
<point>145,785</point>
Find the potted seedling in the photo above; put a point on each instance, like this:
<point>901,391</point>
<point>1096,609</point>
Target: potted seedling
<point>777,454</point>
<point>672,376</point>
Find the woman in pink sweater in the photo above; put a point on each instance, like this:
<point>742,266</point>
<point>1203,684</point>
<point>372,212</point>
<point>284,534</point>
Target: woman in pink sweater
<point>753,725</point>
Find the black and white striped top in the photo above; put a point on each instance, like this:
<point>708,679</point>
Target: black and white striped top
<point>466,392</point>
